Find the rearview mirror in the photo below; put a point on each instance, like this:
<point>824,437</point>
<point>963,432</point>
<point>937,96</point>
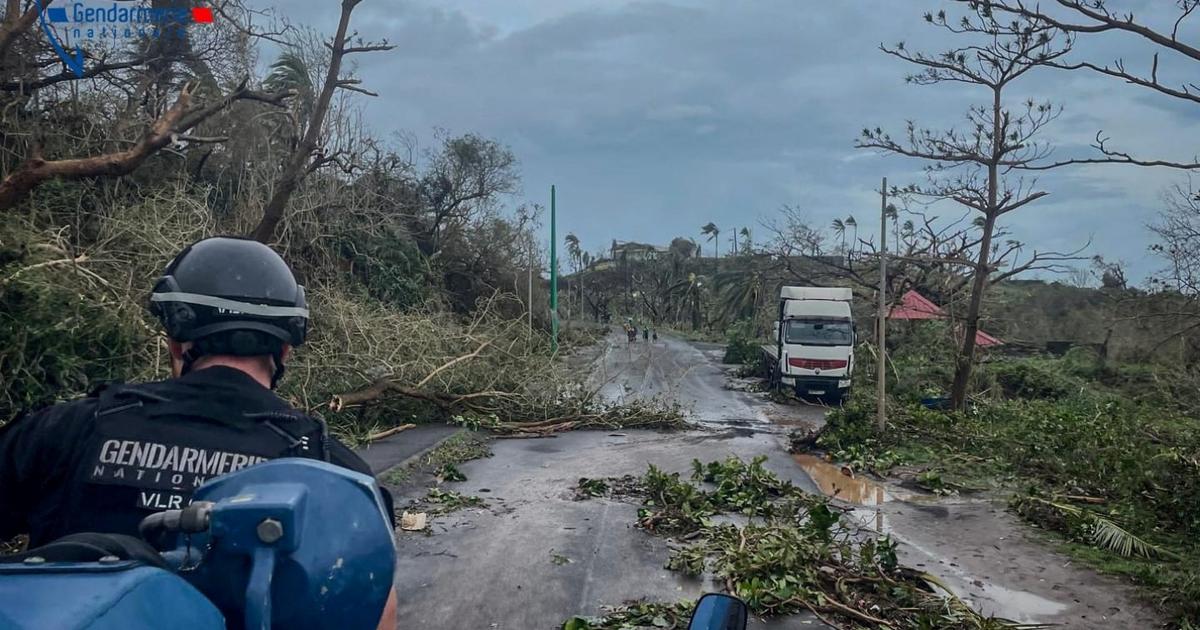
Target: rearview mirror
<point>716,611</point>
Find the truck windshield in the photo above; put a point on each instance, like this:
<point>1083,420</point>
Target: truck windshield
<point>819,332</point>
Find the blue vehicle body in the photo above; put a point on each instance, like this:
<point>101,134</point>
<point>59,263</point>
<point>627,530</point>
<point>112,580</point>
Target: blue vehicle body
<point>290,543</point>
<point>110,596</point>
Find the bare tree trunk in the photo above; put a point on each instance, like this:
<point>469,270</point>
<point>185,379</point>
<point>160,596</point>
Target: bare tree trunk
<point>966,356</point>
<point>16,23</point>
<point>300,163</point>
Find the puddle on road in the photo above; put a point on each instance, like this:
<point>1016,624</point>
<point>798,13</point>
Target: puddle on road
<point>835,483</point>
<point>981,593</point>
<point>1026,607</point>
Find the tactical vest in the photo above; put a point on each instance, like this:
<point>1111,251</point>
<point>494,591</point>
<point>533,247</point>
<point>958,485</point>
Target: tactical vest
<point>148,453</point>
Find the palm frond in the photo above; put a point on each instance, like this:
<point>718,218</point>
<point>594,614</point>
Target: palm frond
<point>1106,534</point>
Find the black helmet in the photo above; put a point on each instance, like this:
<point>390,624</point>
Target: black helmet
<point>231,295</point>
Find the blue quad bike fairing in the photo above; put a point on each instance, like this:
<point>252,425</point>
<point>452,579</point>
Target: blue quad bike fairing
<point>289,543</point>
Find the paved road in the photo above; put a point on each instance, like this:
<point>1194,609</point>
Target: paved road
<point>504,567</point>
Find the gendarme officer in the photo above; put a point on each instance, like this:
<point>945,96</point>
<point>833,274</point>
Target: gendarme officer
<point>232,311</point>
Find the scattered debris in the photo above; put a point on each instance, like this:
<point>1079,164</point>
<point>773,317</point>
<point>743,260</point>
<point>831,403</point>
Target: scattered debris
<point>558,559</point>
<point>413,521</point>
<point>450,472</point>
<point>1089,527</point>
<point>443,461</point>
<point>793,553</point>
<point>636,614</point>
<point>389,432</point>
<point>615,487</point>
<point>447,501</point>
<point>587,488</point>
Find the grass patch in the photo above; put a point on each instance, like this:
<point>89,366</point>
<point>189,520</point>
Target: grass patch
<point>444,460</point>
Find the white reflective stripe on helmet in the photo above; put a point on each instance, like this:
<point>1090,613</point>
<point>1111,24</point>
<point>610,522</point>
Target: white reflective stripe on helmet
<point>233,306</point>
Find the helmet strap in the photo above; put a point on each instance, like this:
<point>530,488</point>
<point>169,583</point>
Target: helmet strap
<point>189,358</point>
<point>277,358</point>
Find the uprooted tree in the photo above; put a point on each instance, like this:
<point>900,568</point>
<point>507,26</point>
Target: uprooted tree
<point>974,167</point>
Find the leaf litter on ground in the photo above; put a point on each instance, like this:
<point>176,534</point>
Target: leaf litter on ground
<point>793,555</point>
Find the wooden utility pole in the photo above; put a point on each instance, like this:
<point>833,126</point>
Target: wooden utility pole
<point>529,301</point>
<point>553,276</point>
<point>881,325</point>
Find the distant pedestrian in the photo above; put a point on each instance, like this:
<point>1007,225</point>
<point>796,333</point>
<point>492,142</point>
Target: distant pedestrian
<point>645,334</point>
<point>654,335</point>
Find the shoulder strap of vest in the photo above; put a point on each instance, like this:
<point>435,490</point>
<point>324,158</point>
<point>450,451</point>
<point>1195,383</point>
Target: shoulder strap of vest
<point>283,422</point>
<point>118,398</point>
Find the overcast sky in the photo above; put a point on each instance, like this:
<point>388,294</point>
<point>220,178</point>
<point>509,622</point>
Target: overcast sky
<point>654,118</point>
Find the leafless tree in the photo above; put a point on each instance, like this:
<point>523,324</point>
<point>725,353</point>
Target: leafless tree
<point>972,166</point>
<point>1085,17</point>
<point>308,155</point>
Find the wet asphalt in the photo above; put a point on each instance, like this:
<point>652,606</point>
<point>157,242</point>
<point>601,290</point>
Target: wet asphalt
<point>534,556</point>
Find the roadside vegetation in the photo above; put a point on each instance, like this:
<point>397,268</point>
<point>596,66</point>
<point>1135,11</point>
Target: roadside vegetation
<point>1106,458</point>
<point>416,259</point>
<point>780,549</point>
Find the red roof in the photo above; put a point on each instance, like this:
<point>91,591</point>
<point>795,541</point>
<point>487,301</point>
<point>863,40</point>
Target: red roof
<point>913,305</point>
<point>984,340</point>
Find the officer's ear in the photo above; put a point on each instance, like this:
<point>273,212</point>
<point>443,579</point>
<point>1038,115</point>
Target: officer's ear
<point>285,352</point>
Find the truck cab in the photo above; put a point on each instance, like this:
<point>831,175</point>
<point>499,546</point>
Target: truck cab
<point>814,341</point>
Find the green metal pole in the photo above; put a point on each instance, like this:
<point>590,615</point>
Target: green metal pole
<point>553,277</point>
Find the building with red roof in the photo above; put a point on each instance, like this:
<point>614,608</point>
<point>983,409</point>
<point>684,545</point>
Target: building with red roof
<point>914,306</point>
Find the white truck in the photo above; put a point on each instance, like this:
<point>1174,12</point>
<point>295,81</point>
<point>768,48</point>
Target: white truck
<point>813,352</point>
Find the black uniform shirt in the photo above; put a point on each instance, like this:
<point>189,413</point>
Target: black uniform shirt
<point>103,463</point>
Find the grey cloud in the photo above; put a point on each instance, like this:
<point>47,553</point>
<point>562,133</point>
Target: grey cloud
<point>654,118</point>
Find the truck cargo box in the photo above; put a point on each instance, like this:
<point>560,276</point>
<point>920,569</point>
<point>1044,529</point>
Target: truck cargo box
<point>838,294</point>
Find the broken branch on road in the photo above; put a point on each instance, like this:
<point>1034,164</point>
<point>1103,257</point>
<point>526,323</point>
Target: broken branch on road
<point>793,554</point>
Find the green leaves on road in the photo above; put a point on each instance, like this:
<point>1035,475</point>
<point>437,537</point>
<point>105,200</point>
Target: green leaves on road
<point>446,501</point>
<point>792,554</point>
<point>636,615</point>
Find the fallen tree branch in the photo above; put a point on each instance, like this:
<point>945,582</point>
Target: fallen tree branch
<point>49,263</point>
<point>177,120</point>
<point>453,362</point>
<point>389,432</point>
